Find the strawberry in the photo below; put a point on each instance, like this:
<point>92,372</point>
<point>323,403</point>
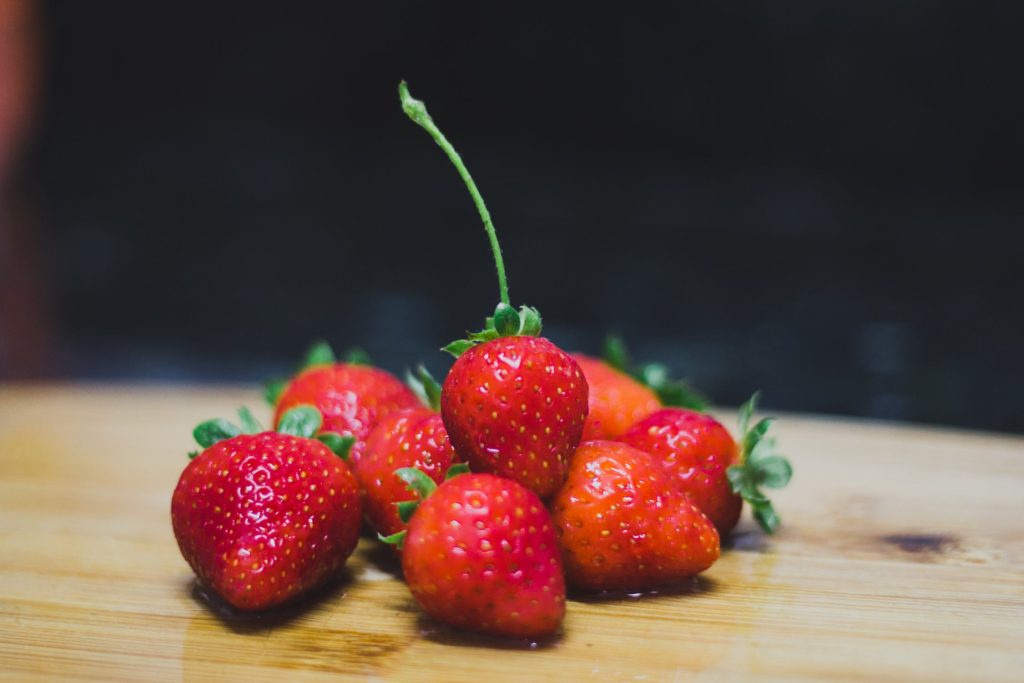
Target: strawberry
<point>622,524</point>
<point>409,438</point>
<point>710,468</point>
<point>481,554</point>
<point>513,403</point>
<point>621,394</point>
<point>515,406</point>
<point>615,400</point>
<point>351,396</point>
<point>262,517</point>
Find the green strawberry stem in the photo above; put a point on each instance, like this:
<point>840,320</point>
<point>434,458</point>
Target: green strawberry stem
<point>417,111</point>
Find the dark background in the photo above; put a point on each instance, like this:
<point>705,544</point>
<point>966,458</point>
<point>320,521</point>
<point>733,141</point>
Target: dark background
<point>821,200</point>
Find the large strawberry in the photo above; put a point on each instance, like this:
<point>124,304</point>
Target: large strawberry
<point>409,438</point>
<point>710,468</point>
<point>351,396</point>
<point>624,526</point>
<point>262,517</point>
<point>513,403</point>
<point>481,554</point>
<point>621,393</point>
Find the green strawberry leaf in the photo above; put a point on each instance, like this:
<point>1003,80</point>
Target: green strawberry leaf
<point>671,392</point>
<point>426,388</point>
<point>340,444</point>
<point>765,515</point>
<point>506,322</point>
<point>456,469</point>
<point>300,421</point>
<point>357,356</point>
<point>458,347</point>
<point>747,411</point>
<point>753,436</point>
<point>210,432</point>
<point>250,425</point>
<point>774,471</point>
<point>616,354</point>
<point>273,388</point>
<point>320,353</point>
<point>406,508</point>
<point>530,323</point>
<point>192,455</point>
<point>655,376</point>
<point>397,540</point>
<point>759,466</point>
<point>416,481</point>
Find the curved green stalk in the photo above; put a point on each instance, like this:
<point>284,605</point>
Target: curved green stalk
<point>417,111</point>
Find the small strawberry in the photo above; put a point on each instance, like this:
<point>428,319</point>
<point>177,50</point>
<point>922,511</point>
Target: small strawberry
<point>622,394</point>
<point>409,438</point>
<point>481,554</point>
<point>262,517</point>
<point>351,396</point>
<point>622,524</point>
<point>514,403</point>
<point>708,466</point>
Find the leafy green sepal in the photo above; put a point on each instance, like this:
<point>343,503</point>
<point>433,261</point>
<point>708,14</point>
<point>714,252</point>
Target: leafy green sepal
<point>759,466</point>
<point>506,322</point>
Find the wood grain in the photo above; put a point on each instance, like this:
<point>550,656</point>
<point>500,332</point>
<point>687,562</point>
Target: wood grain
<point>901,558</point>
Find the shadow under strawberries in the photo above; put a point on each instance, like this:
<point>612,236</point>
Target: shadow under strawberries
<point>694,585</point>
<point>244,622</point>
<point>383,557</point>
<point>431,629</point>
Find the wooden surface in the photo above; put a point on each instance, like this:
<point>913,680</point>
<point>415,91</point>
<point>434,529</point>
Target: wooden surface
<point>901,558</point>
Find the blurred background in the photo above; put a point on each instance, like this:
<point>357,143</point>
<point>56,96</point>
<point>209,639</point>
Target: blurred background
<point>821,200</point>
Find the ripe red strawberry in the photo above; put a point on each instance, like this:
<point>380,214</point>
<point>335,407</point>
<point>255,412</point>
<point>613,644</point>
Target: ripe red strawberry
<point>709,467</point>
<point>515,406</point>
<point>410,438</point>
<point>616,400</point>
<point>622,524</point>
<point>513,403</point>
<point>622,394</point>
<point>263,517</point>
<point>481,554</point>
<point>352,397</point>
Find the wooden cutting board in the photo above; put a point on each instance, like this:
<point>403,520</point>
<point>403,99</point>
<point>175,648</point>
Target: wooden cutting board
<point>901,558</point>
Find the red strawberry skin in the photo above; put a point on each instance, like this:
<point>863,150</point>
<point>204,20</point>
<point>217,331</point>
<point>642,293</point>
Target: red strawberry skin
<point>351,398</point>
<point>515,406</point>
<point>696,450</point>
<point>263,518</point>
<point>414,437</point>
<point>616,400</point>
<point>622,524</point>
<point>481,554</point>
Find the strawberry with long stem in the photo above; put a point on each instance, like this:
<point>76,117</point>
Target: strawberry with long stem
<point>513,403</point>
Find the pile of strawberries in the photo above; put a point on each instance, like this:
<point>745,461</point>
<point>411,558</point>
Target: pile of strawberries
<point>528,470</point>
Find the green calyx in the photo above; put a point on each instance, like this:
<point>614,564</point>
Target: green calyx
<point>759,466</point>
<point>319,353</point>
<point>304,421</point>
<point>506,321</point>
<point>671,392</point>
<point>426,388</point>
<point>422,485</point>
